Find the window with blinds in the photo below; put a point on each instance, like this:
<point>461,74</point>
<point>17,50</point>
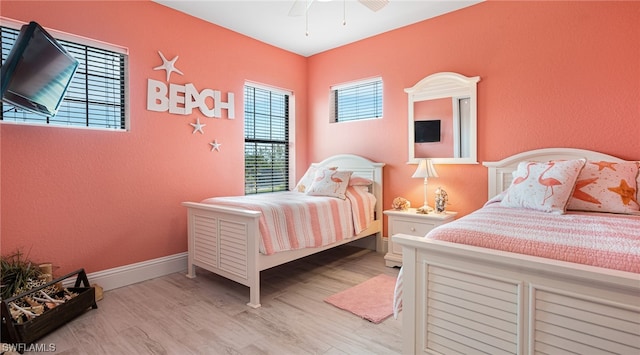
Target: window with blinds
<point>96,95</point>
<point>266,140</point>
<point>356,101</point>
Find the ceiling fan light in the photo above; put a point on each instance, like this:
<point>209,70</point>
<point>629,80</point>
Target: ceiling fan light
<point>374,5</point>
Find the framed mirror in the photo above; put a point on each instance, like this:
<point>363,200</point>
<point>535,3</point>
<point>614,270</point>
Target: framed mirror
<point>443,119</point>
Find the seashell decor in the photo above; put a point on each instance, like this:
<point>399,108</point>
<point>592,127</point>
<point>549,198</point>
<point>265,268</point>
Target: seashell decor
<point>400,203</point>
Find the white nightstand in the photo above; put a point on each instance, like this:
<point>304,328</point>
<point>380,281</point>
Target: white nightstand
<point>412,223</point>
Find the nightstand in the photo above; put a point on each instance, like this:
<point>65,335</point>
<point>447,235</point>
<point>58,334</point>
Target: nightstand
<point>412,223</point>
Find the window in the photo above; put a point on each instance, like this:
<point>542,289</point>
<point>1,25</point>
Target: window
<point>96,95</point>
<point>356,101</point>
<point>266,140</point>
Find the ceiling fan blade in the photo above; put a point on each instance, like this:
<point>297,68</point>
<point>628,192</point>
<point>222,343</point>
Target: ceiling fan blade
<point>374,5</point>
<point>299,7</point>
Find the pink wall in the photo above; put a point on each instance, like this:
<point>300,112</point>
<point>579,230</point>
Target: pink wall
<point>98,200</point>
<point>552,74</point>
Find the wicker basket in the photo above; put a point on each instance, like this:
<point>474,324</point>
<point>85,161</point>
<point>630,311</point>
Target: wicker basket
<point>36,328</point>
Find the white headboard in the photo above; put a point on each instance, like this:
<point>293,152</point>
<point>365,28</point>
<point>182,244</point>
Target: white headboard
<point>361,167</point>
<point>500,172</point>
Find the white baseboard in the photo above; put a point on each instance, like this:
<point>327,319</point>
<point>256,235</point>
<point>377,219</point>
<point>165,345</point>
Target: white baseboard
<point>138,272</point>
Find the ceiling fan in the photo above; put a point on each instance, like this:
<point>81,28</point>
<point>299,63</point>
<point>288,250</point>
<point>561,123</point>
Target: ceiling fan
<point>300,7</point>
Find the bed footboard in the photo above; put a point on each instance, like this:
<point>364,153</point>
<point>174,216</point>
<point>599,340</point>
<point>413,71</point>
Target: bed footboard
<point>465,299</point>
<point>225,241</point>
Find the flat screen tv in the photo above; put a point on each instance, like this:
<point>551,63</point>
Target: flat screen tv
<point>427,131</point>
<point>37,72</point>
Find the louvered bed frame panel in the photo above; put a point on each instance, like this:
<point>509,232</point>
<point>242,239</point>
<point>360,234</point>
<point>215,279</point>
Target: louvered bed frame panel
<point>460,299</point>
<point>225,240</point>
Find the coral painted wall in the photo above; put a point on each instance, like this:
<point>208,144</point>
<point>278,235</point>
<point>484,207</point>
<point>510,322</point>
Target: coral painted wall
<point>552,74</point>
<point>99,200</point>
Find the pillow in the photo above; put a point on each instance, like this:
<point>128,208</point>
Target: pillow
<point>543,187</point>
<point>359,181</point>
<point>364,188</point>
<point>329,182</point>
<point>307,179</point>
<point>604,186</point>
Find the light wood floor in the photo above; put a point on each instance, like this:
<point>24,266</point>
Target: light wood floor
<point>208,315</point>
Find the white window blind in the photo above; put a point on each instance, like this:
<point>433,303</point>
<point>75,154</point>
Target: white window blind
<point>96,95</point>
<point>266,140</point>
<point>356,101</point>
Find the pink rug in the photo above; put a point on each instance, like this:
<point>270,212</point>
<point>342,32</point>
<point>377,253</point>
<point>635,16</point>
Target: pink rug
<point>371,300</point>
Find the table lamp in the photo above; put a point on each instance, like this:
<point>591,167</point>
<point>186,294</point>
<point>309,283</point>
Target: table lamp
<point>425,170</point>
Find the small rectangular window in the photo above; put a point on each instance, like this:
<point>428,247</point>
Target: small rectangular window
<point>96,95</point>
<point>356,101</point>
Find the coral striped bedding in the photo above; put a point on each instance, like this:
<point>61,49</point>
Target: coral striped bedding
<point>605,240</point>
<point>293,220</point>
<point>599,239</point>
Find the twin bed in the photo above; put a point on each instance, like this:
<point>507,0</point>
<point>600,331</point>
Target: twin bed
<point>512,280</point>
<point>501,280</point>
<point>237,237</point>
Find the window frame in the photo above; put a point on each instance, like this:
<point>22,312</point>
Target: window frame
<point>377,103</point>
<point>286,143</point>
<point>82,41</point>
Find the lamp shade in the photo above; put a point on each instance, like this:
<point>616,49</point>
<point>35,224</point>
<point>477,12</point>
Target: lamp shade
<point>425,170</point>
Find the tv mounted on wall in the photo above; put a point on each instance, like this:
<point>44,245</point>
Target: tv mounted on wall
<point>427,131</point>
<point>37,72</point>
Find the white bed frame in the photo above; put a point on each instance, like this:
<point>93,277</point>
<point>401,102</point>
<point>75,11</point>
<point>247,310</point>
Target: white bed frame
<point>465,299</point>
<point>225,240</point>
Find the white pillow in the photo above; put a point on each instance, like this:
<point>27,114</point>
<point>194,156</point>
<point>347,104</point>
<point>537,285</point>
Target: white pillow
<point>605,186</point>
<point>329,182</point>
<point>306,180</point>
<point>544,187</point>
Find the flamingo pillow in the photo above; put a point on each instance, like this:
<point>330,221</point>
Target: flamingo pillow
<point>329,182</point>
<point>307,179</point>
<point>544,187</point>
<point>605,186</point>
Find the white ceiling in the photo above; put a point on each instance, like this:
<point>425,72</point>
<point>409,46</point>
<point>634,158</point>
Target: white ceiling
<point>268,20</point>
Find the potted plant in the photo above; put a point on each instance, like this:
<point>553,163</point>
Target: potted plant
<point>18,273</point>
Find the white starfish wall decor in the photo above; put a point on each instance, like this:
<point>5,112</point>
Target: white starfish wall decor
<point>197,127</point>
<point>215,145</point>
<point>168,65</point>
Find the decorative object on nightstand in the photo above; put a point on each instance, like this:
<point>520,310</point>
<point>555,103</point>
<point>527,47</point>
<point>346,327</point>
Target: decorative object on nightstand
<point>441,200</point>
<point>400,203</point>
<point>424,171</point>
<point>412,223</point>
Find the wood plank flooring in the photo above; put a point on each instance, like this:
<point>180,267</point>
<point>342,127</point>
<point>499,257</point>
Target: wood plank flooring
<point>209,315</point>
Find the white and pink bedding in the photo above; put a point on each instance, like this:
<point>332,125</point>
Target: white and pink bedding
<point>604,240</point>
<point>293,220</point>
<point>599,239</point>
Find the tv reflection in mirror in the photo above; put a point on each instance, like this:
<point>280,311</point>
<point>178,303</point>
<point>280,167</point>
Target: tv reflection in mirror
<point>37,72</point>
<point>427,131</point>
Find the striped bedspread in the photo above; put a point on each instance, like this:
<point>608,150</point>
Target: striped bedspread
<point>598,239</point>
<point>605,240</point>
<point>293,220</point>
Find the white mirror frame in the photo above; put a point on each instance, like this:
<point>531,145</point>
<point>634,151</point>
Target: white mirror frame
<point>444,85</point>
